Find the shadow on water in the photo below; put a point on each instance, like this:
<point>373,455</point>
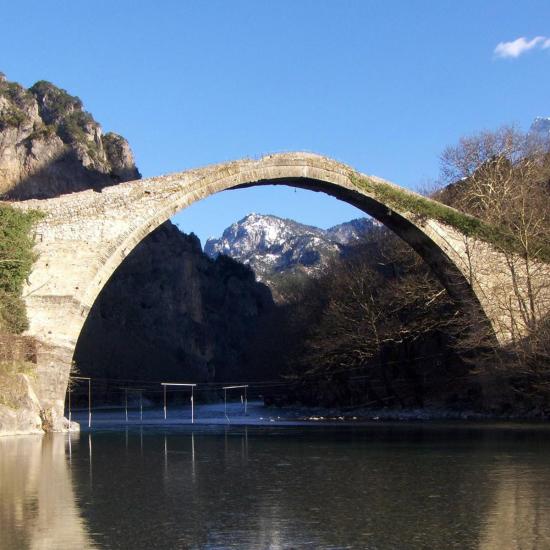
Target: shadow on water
<point>278,487</point>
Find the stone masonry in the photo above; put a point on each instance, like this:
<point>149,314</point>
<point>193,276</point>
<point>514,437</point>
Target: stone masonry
<point>85,236</point>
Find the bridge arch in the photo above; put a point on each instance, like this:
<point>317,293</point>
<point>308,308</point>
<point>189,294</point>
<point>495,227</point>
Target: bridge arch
<point>433,242</point>
<point>85,236</point>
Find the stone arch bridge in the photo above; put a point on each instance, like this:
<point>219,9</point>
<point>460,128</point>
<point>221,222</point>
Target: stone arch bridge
<point>85,236</point>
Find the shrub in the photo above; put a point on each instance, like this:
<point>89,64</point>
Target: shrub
<point>16,259</point>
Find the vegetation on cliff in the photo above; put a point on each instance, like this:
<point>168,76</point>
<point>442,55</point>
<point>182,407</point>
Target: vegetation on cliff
<point>16,259</point>
<point>17,102</point>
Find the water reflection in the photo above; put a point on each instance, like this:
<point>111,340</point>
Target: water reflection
<point>38,508</point>
<point>519,510</point>
<point>385,487</point>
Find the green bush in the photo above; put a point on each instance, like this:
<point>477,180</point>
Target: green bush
<point>54,102</point>
<point>13,315</point>
<point>42,132</point>
<point>12,116</point>
<point>72,127</point>
<point>16,259</point>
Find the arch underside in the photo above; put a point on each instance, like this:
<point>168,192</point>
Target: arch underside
<point>446,271</point>
<point>444,268</point>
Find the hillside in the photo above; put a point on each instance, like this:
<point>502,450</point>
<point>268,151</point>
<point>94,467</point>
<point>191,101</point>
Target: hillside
<point>169,311</point>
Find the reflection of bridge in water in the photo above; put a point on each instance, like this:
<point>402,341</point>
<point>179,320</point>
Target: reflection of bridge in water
<point>39,508</point>
<point>251,487</point>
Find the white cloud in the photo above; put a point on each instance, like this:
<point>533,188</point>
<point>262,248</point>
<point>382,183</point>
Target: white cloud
<point>517,47</point>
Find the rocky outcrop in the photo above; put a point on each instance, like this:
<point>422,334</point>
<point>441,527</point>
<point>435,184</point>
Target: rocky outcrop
<point>20,410</point>
<point>170,312</point>
<point>50,146</point>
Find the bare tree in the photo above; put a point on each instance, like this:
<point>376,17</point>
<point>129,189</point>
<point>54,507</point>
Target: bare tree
<point>376,304</point>
<point>503,177</point>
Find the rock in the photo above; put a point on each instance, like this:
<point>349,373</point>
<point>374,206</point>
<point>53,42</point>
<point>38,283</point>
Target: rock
<point>50,146</point>
<point>541,127</point>
<point>19,407</point>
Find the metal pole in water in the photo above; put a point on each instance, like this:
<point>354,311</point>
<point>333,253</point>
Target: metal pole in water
<point>90,454</point>
<point>165,455</point>
<point>166,384</point>
<point>245,402</point>
<point>141,405</point>
<point>193,455</point>
<point>126,403</point>
<point>89,402</point>
<point>69,392</point>
<point>192,407</point>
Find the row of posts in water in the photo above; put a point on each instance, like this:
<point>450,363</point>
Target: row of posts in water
<point>165,386</point>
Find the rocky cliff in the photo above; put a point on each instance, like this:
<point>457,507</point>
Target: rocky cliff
<point>170,312</point>
<point>49,145</point>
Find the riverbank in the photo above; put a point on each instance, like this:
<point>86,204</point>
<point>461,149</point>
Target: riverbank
<point>258,414</point>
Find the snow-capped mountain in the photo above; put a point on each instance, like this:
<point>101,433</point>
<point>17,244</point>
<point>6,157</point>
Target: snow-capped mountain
<point>274,247</point>
<point>350,232</point>
<point>541,126</point>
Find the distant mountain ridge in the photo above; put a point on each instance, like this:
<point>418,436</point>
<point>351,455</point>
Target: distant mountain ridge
<point>276,247</point>
<point>541,126</point>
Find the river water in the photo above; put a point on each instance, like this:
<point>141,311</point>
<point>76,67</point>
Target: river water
<point>374,486</point>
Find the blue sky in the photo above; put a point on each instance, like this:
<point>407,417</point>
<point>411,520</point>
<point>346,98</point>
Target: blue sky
<point>383,86</point>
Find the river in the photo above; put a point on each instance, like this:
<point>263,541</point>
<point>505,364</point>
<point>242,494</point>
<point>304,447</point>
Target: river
<point>371,486</point>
